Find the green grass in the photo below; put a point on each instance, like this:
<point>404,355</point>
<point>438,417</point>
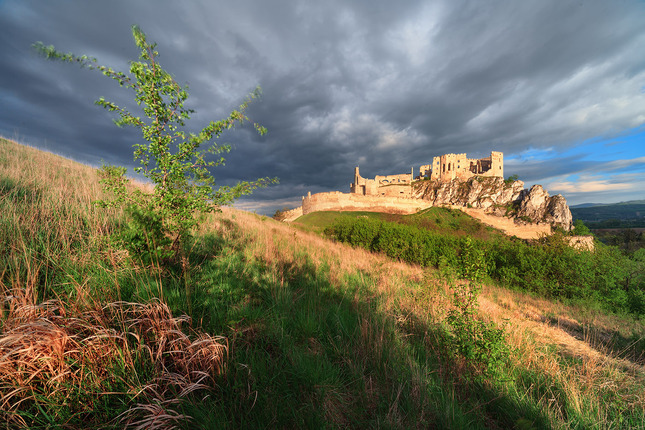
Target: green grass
<point>318,221</point>
<point>445,220</point>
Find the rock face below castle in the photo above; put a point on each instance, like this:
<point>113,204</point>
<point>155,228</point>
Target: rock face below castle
<point>479,192</point>
<point>498,197</point>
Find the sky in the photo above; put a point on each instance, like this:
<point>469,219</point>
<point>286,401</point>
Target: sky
<point>557,85</point>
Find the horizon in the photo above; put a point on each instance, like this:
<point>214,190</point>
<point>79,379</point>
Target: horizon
<point>559,88</point>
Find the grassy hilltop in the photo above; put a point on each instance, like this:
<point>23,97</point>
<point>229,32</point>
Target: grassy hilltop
<point>276,326</point>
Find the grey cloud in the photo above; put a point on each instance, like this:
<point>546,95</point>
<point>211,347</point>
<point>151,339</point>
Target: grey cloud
<point>381,84</point>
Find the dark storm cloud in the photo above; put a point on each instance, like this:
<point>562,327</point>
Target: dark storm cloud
<point>380,84</point>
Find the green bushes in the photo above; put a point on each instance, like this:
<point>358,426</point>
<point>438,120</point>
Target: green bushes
<point>404,242</point>
<point>549,268</point>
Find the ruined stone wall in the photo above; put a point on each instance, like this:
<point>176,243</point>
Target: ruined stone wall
<point>382,185</point>
<point>395,191</point>
<point>354,202</point>
<point>424,170</point>
<point>449,167</point>
<point>292,215</point>
<point>497,164</point>
<point>507,225</point>
<point>382,180</point>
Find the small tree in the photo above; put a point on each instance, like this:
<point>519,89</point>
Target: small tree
<point>511,179</point>
<point>281,214</point>
<point>482,344</point>
<point>173,160</point>
<point>580,229</point>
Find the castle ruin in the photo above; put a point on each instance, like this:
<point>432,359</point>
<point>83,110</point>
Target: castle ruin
<point>448,167</point>
<point>385,186</point>
<point>444,168</point>
<point>446,183</point>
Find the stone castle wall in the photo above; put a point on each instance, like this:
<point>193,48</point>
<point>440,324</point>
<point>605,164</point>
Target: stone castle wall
<point>292,215</point>
<point>382,185</point>
<point>448,167</point>
<point>336,200</point>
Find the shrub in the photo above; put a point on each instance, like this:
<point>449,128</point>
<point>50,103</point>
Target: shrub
<point>580,229</point>
<point>482,344</point>
<point>511,179</point>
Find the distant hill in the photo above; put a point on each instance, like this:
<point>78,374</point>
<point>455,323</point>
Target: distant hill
<point>630,212</point>
<point>586,205</point>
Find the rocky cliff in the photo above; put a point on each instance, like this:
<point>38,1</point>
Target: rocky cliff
<point>498,197</point>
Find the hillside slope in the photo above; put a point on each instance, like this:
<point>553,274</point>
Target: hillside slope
<point>317,334</point>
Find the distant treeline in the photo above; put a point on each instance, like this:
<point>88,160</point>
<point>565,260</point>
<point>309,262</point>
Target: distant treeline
<point>615,223</point>
<point>619,215</point>
<point>549,267</point>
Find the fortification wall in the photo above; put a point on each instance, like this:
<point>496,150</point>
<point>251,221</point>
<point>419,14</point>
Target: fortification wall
<point>336,200</point>
<point>292,215</point>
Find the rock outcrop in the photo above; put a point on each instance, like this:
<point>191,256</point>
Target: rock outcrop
<point>500,198</point>
<point>478,192</point>
<point>538,206</point>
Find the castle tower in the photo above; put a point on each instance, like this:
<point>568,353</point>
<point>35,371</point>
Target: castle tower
<point>497,163</point>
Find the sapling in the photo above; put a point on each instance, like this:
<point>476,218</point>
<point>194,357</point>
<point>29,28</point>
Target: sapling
<point>176,162</point>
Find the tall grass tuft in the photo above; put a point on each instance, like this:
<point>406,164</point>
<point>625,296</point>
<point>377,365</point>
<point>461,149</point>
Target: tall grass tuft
<point>63,364</point>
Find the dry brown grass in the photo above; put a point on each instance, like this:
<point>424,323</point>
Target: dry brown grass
<point>594,374</point>
<point>68,358</point>
<point>277,243</point>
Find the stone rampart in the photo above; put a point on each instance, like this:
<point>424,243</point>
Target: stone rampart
<point>291,215</point>
<point>336,200</point>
